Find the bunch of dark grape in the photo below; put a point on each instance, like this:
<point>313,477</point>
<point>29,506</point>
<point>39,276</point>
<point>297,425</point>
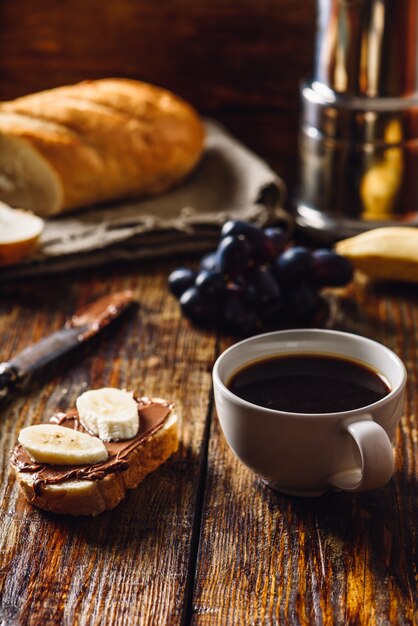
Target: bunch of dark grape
<point>256,281</point>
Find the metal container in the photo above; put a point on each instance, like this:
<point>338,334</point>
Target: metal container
<point>358,142</point>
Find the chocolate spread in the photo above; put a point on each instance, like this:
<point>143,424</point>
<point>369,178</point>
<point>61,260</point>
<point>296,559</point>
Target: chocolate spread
<point>153,413</point>
<point>94,316</point>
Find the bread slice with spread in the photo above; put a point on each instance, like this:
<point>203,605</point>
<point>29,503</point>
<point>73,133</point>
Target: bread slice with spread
<point>64,467</point>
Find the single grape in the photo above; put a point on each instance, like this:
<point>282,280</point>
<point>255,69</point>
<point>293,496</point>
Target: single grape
<point>330,269</point>
<point>266,287</point>
<point>301,303</point>
<point>275,242</point>
<point>248,292</point>
<point>252,233</point>
<point>180,280</point>
<point>196,307</point>
<point>272,315</point>
<point>294,266</point>
<point>239,227</point>
<point>238,316</point>
<point>210,283</point>
<point>250,295</point>
<point>208,262</point>
<point>233,255</point>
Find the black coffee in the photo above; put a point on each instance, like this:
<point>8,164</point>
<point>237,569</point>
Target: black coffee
<point>308,384</point>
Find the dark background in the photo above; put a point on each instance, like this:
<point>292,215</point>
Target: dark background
<point>239,61</point>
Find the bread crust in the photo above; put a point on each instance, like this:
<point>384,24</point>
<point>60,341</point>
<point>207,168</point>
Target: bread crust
<point>103,140</point>
<point>92,497</point>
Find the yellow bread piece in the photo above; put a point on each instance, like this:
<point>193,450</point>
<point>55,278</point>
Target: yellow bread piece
<point>389,253</point>
<point>19,234</point>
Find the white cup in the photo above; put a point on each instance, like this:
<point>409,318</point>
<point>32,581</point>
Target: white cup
<point>307,454</point>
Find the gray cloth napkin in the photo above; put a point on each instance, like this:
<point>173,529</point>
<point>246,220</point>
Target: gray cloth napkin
<point>231,182</point>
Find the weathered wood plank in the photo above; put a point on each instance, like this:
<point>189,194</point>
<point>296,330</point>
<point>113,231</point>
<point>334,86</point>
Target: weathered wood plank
<point>129,565</point>
<point>266,558</point>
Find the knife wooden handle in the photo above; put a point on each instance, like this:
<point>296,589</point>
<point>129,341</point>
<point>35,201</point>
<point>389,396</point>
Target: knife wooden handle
<point>9,376</point>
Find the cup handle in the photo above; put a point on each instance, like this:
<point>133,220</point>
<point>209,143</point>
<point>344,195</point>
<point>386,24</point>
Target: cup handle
<point>377,459</point>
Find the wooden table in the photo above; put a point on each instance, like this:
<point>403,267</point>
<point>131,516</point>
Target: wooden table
<point>201,541</point>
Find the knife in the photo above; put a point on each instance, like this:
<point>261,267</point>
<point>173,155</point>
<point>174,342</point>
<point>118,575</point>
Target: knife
<point>83,325</point>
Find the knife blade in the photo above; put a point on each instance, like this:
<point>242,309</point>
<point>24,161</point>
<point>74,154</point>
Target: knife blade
<point>84,324</point>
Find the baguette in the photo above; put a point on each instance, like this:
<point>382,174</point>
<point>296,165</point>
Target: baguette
<point>95,141</point>
<point>96,488</point>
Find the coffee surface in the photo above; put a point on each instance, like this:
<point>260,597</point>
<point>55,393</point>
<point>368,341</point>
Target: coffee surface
<point>308,384</point>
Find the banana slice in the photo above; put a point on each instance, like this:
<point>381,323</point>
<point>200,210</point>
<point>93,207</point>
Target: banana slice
<point>110,413</point>
<point>19,234</point>
<point>388,253</point>
<point>56,445</point>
